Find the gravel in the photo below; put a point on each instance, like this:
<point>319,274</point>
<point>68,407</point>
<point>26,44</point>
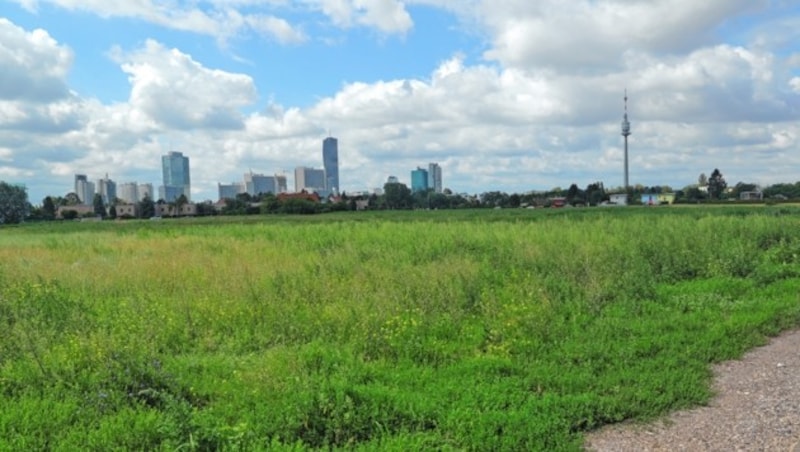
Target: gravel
<point>756,408</point>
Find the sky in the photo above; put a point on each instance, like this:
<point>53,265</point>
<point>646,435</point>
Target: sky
<point>509,95</point>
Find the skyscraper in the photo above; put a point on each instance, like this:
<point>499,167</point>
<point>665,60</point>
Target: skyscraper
<point>435,177</point>
<point>107,188</point>
<point>145,191</point>
<point>330,161</point>
<point>128,192</point>
<point>84,189</point>
<point>175,169</point>
<point>257,184</point>
<point>419,180</point>
<point>309,179</point>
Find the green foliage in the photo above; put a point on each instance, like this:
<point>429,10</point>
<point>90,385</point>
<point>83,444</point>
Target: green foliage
<point>99,206</point>
<point>716,185</point>
<point>400,330</point>
<point>13,203</point>
<point>397,195</point>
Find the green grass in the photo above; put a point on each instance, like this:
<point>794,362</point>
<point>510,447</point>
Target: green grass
<point>456,330</point>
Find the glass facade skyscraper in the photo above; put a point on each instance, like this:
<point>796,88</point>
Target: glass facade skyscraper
<point>330,161</point>
<point>419,180</point>
<point>175,168</point>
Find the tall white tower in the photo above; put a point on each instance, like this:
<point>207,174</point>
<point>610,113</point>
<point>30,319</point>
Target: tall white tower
<point>626,131</point>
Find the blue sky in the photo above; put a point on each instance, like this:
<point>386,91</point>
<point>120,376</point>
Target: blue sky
<point>510,95</point>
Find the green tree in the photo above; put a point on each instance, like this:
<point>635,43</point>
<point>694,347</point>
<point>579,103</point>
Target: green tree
<point>71,199</point>
<point>99,207</point>
<point>716,185</point>
<point>181,201</point>
<point>69,214</point>
<point>112,212</point>
<point>147,208</point>
<point>48,208</point>
<point>397,195</point>
<point>13,204</point>
<point>742,187</point>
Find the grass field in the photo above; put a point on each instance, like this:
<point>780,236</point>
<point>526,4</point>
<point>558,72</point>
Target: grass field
<point>453,330</point>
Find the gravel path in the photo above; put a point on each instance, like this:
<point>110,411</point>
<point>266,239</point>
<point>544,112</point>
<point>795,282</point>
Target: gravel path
<point>756,408</point>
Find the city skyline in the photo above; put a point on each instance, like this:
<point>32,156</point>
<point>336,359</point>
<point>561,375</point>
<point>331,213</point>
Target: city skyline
<point>109,87</point>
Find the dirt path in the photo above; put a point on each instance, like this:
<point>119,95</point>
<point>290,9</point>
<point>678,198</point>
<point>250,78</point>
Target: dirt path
<point>757,408</point>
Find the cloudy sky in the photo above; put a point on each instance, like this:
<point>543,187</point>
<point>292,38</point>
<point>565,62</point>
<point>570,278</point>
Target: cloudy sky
<point>511,95</point>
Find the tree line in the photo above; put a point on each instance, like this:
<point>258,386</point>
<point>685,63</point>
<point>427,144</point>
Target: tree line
<point>15,208</point>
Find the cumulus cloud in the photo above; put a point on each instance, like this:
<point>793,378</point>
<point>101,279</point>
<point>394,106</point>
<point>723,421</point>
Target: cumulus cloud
<point>34,65</point>
<point>178,92</point>
<point>541,109</point>
<point>585,36</point>
<point>388,16</point>
<point>219,19</point>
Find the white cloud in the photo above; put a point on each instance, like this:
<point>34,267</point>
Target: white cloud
<point>542,110</point>
<point>219,19</point>
<point>388,16</point>
<point>277,28</point>
<point>584,36</point>
<point>34,65</point>
<point>178,92</point>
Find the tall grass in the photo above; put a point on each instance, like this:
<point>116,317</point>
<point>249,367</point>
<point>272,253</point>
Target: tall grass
<point>424,330</point>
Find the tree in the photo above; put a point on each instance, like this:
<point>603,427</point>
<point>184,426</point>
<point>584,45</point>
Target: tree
<point>181,201</point>
<point>48,208</point>
<point>702,180</point>
<point>716,185</point>
<point>112,212</point>
<point>71,199</point>
<point>13,204</point>
<point>742,187</point>
<point>147,208</point>
<point>397,195</point>
<point>99,207</point>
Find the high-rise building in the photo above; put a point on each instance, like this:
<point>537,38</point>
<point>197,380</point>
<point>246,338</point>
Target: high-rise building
<point>79,178</point>
<point>107,189</point>
<point>330,161</point>
<point>309,179</point>
<point>392,180</point>
<point>229,191</point>
<point>280,184</point>
<point>128,192</point>
<point>84,189</point>
<point>419,180</point>
<point>257,184</point>
<point>176,177</point>
<point>435,177</point>
<point>145,191</point>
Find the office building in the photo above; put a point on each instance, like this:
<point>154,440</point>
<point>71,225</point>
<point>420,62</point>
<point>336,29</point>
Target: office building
<point>280,183</point>
<point>330,161</point>
<point>419,180</point>
<point>229,191</point>
<point>84,189</point>
<point>107,189</point>
<point>392,180</point>
<point>258,184</point>
<point>145,191</point>
<point>435,177</point>
<point>176,177</point>
<point>309,179</point>
<point>128,192</point>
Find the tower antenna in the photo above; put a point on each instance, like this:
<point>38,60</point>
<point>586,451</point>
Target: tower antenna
<point>626,131</point>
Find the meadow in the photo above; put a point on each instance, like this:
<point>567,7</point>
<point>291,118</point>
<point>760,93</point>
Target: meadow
<point>451,330</point>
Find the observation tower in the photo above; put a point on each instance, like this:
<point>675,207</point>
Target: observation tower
<point>626,131</point>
